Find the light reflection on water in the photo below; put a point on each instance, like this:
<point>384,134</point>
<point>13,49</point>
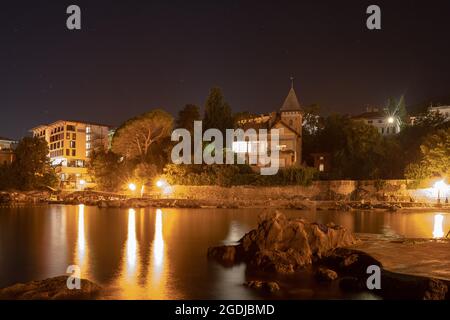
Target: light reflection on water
<point>438,231</point>
<point>161,254</point>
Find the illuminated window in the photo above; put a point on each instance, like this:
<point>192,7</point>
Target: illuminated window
<point>321,167</point>
<point>72,144</point>
<point>88,145</point>
<point>88,129</point>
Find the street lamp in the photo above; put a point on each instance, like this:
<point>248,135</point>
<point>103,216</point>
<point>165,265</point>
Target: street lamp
<point>441,188</point>
<point>132,187</point>
<point>391,120</point>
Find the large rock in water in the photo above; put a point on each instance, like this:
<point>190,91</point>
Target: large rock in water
<point>50,289</point>
<point>283,245</point>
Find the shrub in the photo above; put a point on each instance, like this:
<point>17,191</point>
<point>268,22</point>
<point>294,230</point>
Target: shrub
<point>236,175</point>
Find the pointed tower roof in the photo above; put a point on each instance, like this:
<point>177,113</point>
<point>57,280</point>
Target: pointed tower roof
<point>291,102</point>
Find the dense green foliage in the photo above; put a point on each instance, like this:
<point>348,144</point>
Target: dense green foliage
<point>358,151</point>
<point>30,169</point>
<point>234,175</point>
<point>135,138</point>
<point>187,116</point>
<point>217,112</point>
<point>109,170</point>
<point>435,159</point>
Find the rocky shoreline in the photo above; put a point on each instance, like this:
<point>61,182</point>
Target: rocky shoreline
<point>51,289</point>
<point>110,200</point>
<point>286,246</point>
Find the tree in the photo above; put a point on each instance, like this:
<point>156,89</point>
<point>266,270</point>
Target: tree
<point>356,148</point>
<point>187,116</point>
<point>435,160</point>
<point>108,171</point>
<point>31,167</point>
<point>312,121</point>
<point>135,137</point>
<point>397,108</point>
<point>217,112</point>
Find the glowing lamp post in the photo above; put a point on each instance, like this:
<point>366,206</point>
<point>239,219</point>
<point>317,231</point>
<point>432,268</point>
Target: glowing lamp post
<point>166,189</point>
<point>390,120</point>
<point>82,183</point>
<point>132,187</point>
<point>441,187</point>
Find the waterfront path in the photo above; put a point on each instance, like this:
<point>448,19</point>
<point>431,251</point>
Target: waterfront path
<point>420,257</point>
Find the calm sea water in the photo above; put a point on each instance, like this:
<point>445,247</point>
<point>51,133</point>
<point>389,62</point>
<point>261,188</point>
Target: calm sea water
<point>161,253</point>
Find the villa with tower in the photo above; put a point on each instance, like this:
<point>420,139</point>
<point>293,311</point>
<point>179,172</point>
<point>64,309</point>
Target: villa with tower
<point>288,120</point>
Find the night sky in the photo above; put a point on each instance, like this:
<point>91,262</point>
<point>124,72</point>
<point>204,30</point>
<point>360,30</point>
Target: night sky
<point>132,56</point>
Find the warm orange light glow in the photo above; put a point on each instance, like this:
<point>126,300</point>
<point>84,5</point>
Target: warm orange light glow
<point>158,242</point>
<point>438,231</point>
<point>160,183</point>
<point>131,240</point>
<point>440,186</point>
<point>132,187</point>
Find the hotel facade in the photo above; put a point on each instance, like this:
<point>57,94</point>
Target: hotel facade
<point>70,144</point>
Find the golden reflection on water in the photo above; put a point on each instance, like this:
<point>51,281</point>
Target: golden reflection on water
<point>143,272</point>
<point>81,254</point>
<point>438,229</point>
<point>131,245</point>
<point>158,242</point>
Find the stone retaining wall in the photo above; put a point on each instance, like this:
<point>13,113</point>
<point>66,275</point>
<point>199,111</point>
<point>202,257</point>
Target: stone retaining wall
<point>395,190</point>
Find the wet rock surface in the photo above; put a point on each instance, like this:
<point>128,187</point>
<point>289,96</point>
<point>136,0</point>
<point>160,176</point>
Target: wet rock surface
<point>283,245</point>
<point>325,274</point>
<point>50,289</point>
<point>270,286</point>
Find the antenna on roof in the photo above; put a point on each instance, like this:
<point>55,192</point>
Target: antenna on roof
<point>292,82</point>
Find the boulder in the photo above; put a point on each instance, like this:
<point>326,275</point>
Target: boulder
<point>5,198</point>
<point>50,289</point>
<point>270,286</point>
<point>325,274</point>
<point>284,245</point>
<point>435,290</point>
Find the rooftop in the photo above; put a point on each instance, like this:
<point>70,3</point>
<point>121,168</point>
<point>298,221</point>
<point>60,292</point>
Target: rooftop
<point>6,139</point>
<point>76,121</point>
<point>370,115</point>
<point>291,102</point>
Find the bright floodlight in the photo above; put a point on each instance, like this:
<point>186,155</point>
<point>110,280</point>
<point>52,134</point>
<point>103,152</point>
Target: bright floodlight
<point>132,187</point>
<point>440,186</point>
<point>391,120</point>
<point>82,182</point>
<point>160,183</point>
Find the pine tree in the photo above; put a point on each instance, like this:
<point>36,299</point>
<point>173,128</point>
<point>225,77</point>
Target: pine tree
<point>217,112</point>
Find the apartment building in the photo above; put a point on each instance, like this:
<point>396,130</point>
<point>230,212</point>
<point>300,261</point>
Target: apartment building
<point>380,120</point>
<point>443,110</point>
<point>7,147</point>
<point>70,145</point>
